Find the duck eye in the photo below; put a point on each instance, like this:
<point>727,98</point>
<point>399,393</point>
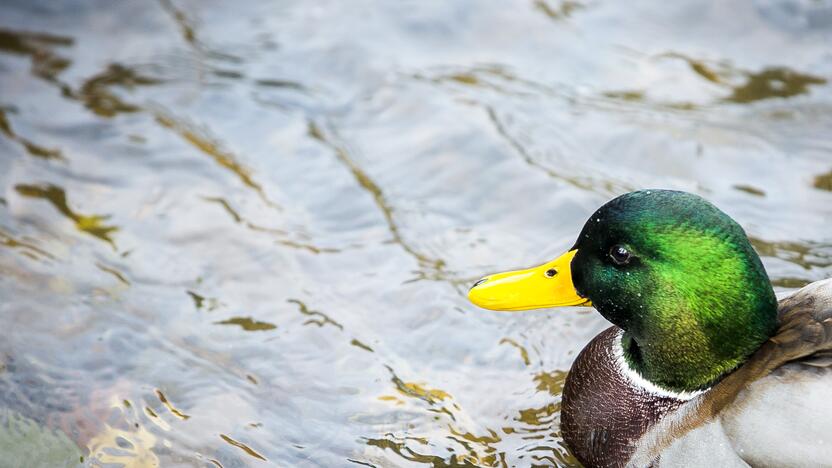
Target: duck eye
<point>620,255</point>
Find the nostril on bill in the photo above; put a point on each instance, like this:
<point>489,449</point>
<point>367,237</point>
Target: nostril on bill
<point>479,283</point>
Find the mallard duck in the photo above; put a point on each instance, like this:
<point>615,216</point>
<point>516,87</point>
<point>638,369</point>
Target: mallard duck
<point>702,365</point>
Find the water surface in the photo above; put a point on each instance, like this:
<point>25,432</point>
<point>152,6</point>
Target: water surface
<point>241,235</point>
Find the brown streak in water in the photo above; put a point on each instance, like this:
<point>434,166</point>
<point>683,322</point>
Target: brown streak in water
<point>170,407</point>
<point>492,438</point>
<point>392,398</point>
<point>543,416</point>
<point>117,274</point>
<point>96,95</point>
<point>200,301</point>
<point>228,209</point>
<point>207,146</point>
<point>248,324</point>
<point>281,234</point>
<point>639,96</point>
<point>531,161</point>
<point>281,84</point>
<point>629,95</point>
<point>436,267</point>
<point>362,463</point>
<point>310,248</point>
<point>7,240</point>
<point>150,412</point>
<point>773,82</point>
<point>795,252</point>
<point>182,21</point>
<point>487,77</point>
<point>718,73</point>
<point>46,64</point>
<point>823,181</point>
<point>561,12</point>
<point>551,382</point>
<point>234,75</point>
<point>399,447</point>
<point>90,224</point>
<point>188,30</point>
<point>482,78</point>
<point>243,447</point>
<point>418,391</point>
<point>324,319</point>
<point>786,282</point>
<point>768,83</point>
<point>749,189</point>
<point>31,148</point>
<point>315,132</point>
<point>472,455</point>
<point>361,345</point>
<point>523,353</point>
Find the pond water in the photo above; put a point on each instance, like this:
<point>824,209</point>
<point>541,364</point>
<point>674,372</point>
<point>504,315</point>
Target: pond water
<point>240,234</point>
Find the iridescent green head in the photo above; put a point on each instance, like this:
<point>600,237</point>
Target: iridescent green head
<point>681,278</point>
<point>676,273</point>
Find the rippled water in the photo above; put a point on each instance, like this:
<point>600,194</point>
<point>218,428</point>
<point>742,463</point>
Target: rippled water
<point>241,234</point>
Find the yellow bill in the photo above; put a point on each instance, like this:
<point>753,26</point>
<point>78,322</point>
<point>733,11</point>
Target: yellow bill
<point>547,285</point>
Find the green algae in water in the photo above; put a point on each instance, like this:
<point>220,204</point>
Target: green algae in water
<point>24,442</point>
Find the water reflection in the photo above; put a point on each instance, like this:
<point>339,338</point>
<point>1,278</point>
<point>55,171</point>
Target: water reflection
<point>824,181</point>
<point>316,318</point>
<point>96,94</point>
<point>248,324</point>
<point>296,218</point>
<point>432,268</point>
<point>283,236</point>
<point>127,448</point>
<point>179,414</point>
<point>245,448</point>
<point>746,86</point>
<point>751,190</point>
<point>203,302</point>
<point>200,139</point>
<point>523,352</point>
<point>773,83</point>
<point>34,149</point>
<point>804,254</point>
<point>90,224</point>
<point>114,272</point>
<point>24,247</point>
<point>25,442</point>
<point>46,63</point>
<point>558,10</point>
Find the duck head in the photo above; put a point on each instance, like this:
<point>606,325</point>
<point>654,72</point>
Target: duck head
<point>678,275</point>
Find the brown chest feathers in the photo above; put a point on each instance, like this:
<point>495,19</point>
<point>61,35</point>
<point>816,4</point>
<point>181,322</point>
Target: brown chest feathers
<point>604,413</point>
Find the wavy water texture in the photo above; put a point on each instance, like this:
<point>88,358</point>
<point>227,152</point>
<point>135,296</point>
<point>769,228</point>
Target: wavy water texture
<point>242,235</point>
